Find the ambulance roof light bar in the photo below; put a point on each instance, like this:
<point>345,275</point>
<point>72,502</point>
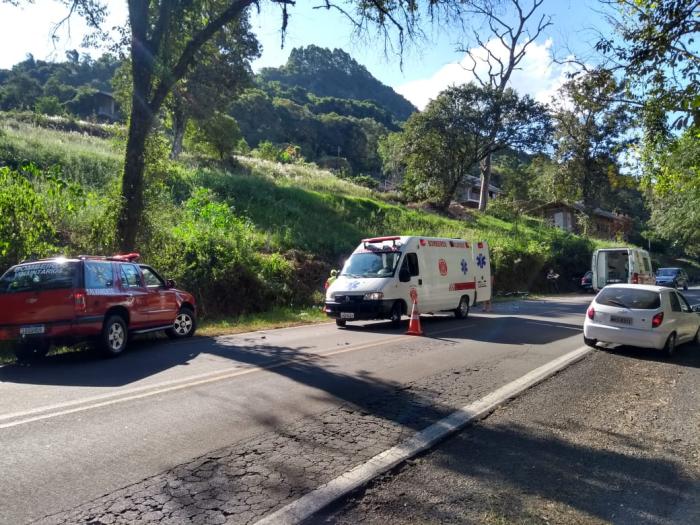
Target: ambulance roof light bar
<point>375,240</point>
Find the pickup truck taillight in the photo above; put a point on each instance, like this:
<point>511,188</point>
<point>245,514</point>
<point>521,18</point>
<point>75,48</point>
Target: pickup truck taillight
<point>591,313</point>
<point>80,304</point>
<point>635,278</point>
<point>657,320</point>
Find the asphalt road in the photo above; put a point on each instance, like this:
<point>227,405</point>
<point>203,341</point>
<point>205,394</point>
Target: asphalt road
<point>76,428</point>
<point>614,438</point>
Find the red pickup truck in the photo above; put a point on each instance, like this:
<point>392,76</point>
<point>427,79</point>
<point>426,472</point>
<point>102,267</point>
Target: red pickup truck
<point>103,298</point>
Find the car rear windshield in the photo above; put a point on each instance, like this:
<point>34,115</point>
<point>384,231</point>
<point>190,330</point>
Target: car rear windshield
<point>667,272</point>
<point>33,277</point>
<point>629,298</point>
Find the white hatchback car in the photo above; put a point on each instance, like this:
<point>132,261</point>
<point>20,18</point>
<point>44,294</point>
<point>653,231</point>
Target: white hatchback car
<point>641,315</point>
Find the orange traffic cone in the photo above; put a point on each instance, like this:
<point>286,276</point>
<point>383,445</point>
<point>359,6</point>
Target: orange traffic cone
<point>414,326</point>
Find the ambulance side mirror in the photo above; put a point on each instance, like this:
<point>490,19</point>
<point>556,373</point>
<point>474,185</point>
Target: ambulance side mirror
<point>404,275</point>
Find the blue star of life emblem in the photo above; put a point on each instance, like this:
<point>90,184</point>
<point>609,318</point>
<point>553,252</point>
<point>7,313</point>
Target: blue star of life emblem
<point>353,285</point>
<point>481,261</point>
<point>465,268</point>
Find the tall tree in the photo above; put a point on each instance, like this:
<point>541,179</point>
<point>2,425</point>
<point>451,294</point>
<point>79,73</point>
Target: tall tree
<point>656,44</point>
<point>165,38</point>
<point>222,73</point>
<point>459,129</point>
<point>494,58</point>
<point>591,126</point>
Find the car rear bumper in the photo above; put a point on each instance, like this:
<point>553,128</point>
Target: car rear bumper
<point>79,328</point>
<point>625,336</point>
<point>361,310</point>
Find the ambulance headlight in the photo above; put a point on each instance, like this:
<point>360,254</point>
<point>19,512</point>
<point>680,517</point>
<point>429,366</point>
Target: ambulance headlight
<point>373,296</point>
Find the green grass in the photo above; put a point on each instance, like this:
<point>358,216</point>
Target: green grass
<point>83,158</point>
<point>298,207</point>
<point>276,318</point>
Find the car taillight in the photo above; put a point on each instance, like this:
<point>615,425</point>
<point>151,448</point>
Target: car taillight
<point>591,313</point>
<point>80,301</point>
<point>657,320</point>
<point>635,278</point>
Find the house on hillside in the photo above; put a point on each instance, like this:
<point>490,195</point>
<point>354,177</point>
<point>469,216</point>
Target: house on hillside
<point>105,106</point>
<point>469,193</point>
<point>606,224</point>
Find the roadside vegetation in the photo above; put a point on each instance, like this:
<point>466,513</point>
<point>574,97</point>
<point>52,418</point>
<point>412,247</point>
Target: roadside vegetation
<point>245,236</point>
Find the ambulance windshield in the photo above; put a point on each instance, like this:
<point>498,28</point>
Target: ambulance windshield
<point>372,264</point>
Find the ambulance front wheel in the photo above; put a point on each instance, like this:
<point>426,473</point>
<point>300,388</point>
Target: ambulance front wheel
<point>396,313</point>
<point>462,310</point>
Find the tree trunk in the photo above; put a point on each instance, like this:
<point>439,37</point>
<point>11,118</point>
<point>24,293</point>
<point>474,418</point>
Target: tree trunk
<point>485,168</point>
<point>132,181</point>
<point>179,126</point>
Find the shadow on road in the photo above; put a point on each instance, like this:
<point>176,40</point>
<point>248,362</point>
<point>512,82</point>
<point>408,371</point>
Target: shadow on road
<point>501,467</point>
<point>149,357</point>
<point>687,355</point>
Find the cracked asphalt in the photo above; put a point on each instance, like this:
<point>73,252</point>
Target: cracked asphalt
<point>613,439</point>
<point>228,430</point>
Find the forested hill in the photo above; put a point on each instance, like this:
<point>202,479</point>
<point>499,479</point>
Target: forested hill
<point>336,74</point>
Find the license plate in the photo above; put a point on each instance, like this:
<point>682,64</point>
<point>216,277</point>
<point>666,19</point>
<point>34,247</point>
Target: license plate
<point>32,330</point>
<point>620,320</point>
<point>347,315</point>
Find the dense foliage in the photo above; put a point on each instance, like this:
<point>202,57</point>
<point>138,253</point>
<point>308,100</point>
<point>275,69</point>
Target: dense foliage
<point>327,73</point>
<point>55,88</point>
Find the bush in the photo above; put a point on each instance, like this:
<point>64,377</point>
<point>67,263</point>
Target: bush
<point>25,227</point>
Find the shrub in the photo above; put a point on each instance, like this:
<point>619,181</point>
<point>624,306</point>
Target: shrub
<point>25,227</point>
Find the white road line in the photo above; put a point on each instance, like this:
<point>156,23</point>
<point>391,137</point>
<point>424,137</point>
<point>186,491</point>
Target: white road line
<point>80,405</point>
<point>314,501</point>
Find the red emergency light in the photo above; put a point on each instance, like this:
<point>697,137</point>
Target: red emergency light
<point>126,257</point>
<point>381,239</point>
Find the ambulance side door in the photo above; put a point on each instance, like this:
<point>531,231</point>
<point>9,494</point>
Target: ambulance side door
<point>410,277</point>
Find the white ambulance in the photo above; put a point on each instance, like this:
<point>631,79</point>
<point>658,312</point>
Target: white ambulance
<point>383,273</point>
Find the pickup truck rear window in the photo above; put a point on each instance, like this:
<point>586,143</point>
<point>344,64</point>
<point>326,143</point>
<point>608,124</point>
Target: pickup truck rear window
<point>629,298</point>
<point>34,277</point>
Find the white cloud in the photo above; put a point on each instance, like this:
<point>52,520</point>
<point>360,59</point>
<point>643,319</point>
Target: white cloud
<point>537,75</point>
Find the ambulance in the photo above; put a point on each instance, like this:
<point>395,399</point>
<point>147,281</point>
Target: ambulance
<point>384,274</point>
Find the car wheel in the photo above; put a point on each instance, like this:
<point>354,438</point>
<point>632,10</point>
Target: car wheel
<point>341,323</point>
<point>396,313</point>
<point>184,326</point>
<point>114,336</point>
<point>462,310</point>
<point>589,342</point>
<point>31,350</point>
<point>670,346</point>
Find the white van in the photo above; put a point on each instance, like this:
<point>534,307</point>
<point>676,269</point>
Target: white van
<point>621,265</point>
<point>377,281</point>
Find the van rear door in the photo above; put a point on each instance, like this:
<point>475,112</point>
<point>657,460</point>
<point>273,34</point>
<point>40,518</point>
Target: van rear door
<point>39,293</point>
<point>482,271</point>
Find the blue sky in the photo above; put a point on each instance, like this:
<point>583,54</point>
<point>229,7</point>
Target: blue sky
<point>428,66</point>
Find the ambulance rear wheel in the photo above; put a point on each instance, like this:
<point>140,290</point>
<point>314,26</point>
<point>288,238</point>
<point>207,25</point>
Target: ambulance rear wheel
<point>462,310</point>
<point>341,322</point>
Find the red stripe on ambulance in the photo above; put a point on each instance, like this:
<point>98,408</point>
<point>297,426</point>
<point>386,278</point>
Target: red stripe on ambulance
<point>463,286</point>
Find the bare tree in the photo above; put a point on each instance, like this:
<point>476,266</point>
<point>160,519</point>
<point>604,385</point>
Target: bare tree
<point>493,69</point>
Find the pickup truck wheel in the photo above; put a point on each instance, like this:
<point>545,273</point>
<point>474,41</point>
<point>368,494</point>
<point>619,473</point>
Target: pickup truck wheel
<point>396,313</point>
<point>184,326</point>
<point>341,323</point>
<point>462,310</point>
<point>31,350</point>
<point>114,336</point>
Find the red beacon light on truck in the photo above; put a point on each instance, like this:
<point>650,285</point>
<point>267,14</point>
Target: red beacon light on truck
<point>126,257</point>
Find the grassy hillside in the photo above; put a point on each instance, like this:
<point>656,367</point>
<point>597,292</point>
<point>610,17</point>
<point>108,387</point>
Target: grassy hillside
<point>252,236</point>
